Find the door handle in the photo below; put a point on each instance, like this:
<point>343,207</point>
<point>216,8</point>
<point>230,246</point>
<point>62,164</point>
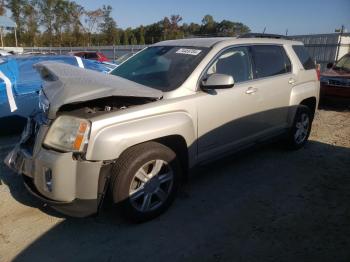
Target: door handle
<point>251,90</point>
<point>291,81</point>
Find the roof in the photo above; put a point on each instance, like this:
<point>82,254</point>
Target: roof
<point>198,42</point>
<point>210,42</point>
<point>7,22</point>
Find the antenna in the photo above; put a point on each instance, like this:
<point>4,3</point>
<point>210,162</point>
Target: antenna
<point>287,32</point>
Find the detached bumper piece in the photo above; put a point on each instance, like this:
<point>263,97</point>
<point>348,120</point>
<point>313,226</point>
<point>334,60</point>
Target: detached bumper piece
<point>76,208</point>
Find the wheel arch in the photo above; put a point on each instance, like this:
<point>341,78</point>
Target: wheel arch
<point>178,144</point>
<point>311,103</point>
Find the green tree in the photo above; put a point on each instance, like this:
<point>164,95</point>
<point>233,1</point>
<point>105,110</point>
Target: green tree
<point>142,35</point>
<point>166,28</point>
<point>77,12</point>
<point>2,7</point>
<point>31,18</point>
<point>174,26</point>
<point>47,18</point>
<point>108,26</point>
<point>229,28</point>
<point>208,25</point>
<point>62,19</point>
<point>126,35</point>
<point>92,21</point>
<point>16,8</point>
<point>133,40</point>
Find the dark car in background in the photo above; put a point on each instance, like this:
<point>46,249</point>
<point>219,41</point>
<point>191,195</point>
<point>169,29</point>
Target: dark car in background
<point>91,55</point>
<point>335,82</point>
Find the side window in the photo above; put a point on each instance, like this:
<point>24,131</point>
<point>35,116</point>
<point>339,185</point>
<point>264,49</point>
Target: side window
<point>270,60</point>
<point>304,57</point>
<point>234,62</point>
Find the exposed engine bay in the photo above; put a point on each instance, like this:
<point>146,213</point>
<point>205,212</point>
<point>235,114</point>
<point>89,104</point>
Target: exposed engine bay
<point>103,105</point>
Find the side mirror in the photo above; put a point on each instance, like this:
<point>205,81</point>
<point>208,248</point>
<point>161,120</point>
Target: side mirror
<point>330,65</point>
<point>218,81</point>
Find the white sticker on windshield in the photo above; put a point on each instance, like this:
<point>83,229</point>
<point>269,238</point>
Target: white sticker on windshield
<point>186,51</point>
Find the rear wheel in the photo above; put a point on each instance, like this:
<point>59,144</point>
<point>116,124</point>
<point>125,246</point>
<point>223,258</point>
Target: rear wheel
<point>300,131</point>
<point>145,181</point>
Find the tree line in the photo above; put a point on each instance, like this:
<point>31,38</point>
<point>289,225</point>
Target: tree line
<point>66,23</point>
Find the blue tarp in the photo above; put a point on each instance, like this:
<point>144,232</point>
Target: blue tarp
<point>26,81</point>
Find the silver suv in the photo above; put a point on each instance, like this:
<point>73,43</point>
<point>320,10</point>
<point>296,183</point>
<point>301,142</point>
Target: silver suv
<point>176,104</point>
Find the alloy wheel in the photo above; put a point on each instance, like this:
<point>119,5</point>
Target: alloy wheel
<point>151,185</point>
<point>302,128</point>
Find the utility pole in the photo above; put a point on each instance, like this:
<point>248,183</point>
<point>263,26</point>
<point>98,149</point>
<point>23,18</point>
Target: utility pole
<point>341,31</point>
<point>2,40</point>
<point>16,36</point>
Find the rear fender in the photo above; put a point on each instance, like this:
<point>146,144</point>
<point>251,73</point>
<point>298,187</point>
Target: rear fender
<point>301,92</point>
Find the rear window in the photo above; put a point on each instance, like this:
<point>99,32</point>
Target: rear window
<point>304,57</point>
<point>270,60</point>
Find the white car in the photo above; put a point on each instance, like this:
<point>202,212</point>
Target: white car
<point>170,107</point>
<point>4,53</point>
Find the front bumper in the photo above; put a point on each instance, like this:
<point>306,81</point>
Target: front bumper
<point>73,187</point>
<point>76,208</point>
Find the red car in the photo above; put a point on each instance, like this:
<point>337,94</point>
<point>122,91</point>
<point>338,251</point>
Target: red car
<point>98,56</point>
<point>335,82</point>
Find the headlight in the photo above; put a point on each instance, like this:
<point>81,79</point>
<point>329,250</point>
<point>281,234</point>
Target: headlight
<point>44,103</point>
<point>68,134</point>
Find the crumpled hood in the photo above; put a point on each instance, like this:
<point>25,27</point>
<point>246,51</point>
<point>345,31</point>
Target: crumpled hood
<point>65,84</point>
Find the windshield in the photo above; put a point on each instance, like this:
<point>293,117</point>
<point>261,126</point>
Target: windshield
<point>161,67</point>
<point>343,63</point>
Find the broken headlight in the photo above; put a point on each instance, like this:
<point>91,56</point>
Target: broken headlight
<point>68,134</point>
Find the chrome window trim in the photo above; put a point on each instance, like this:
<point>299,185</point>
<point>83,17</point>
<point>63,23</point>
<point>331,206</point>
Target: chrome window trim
<point>198,88</point>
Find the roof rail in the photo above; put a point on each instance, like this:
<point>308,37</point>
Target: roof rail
<point>259,35</point>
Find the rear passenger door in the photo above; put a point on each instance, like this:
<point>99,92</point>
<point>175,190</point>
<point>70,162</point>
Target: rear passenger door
<point>273,82</point>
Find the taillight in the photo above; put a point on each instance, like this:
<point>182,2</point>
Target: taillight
<point>318,71</point>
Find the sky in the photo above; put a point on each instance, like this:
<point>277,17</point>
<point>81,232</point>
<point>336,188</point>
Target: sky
<point>298,16</point>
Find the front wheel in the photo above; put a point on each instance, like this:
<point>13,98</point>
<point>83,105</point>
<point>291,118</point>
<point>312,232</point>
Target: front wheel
<point>300,131</point>
<point>145,181</point>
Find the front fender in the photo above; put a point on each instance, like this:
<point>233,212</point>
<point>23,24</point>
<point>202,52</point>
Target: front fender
<point>111,141</point>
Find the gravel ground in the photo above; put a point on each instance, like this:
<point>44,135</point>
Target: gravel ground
<point>264,205</point>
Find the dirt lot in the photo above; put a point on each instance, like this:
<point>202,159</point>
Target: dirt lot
<point>265,205</point>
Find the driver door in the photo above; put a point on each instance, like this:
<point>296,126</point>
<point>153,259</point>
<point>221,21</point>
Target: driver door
<point>228,117</point>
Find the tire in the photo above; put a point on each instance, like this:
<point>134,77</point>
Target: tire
<point>145,181</point>
<point>299,133</point>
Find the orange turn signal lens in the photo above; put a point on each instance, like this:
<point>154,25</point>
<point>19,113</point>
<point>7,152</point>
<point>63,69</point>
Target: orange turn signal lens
<point>80,136</point>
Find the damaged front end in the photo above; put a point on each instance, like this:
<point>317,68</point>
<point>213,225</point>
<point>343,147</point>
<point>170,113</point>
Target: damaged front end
<point>50,155</point>
<point>68,85</point>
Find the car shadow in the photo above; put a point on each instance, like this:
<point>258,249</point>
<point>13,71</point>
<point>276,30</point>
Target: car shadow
<point>266,204</point>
